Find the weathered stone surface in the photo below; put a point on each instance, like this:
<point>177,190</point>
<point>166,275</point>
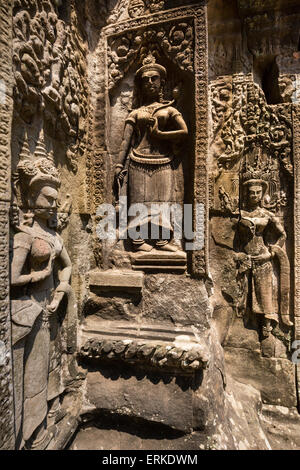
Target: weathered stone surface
<point>176,300</point>
<point>281,426</point>
<point>244,406</point>
<point>113,305</point>
<point>7,438</point>
<point>154,398</point>
<point>172,101</point>
<point>274,378</point>
<point>118,435</point>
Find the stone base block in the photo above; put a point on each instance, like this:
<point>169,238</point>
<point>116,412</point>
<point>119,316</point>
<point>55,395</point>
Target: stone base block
<point>116,279</point>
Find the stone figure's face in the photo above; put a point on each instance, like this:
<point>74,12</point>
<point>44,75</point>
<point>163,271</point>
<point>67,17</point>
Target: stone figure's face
<point>151,83</point>
<point>255,193</point>
<point>156,5</point>
<point>45,202</point>
<point>136,9</point>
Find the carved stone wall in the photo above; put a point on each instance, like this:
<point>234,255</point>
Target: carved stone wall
<point>48,141</point>
<point>150,344</point>
<point>252,113</point>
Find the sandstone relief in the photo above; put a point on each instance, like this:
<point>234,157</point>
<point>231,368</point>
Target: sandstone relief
<point>37,291</point>
<point>149,189</point>
<point>49,74</point>
<point>153,176</point>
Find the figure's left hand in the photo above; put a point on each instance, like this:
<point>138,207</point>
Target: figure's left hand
<point>262,257</point>
<point>52,308</point>
<point>154,129</point>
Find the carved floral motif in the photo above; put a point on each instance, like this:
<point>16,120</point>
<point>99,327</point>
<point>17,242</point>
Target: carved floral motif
<point>176,41</point>
<point>49,70</point>
<point>242,117</point>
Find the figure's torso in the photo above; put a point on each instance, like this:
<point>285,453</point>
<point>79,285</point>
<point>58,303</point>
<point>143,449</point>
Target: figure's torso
<point>253,226</point>
<point>145,143</point>
<point>45,244</point>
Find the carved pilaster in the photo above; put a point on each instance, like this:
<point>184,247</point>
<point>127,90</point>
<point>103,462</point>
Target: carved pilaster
<point>296,145</point>
<point>6,402</point>
<point>200,258</point>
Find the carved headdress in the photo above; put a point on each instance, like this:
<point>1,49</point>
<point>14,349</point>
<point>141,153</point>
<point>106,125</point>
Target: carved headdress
<point>149,63</point>
<point>38,171</point>
<point>255,169</point>
<point>33,173</point>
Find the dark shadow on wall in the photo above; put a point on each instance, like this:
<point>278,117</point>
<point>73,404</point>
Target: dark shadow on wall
<point>114,371</point>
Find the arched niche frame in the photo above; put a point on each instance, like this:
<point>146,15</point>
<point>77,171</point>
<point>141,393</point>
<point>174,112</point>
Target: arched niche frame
<point>178,39</point>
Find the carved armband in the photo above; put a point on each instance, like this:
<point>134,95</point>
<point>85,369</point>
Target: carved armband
<point>119,165</point>
<point>63,286</point>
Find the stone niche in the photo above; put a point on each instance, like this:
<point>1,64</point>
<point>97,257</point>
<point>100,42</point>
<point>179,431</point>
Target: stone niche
<point>147,339</point>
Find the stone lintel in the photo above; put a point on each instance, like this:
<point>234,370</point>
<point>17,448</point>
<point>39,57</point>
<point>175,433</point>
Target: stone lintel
<point>116,279</point>
<point>184,358</point>
<point>154,346</point>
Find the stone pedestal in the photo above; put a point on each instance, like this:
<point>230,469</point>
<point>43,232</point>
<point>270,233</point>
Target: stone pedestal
<point>159,261</point>
<point>147,364</point>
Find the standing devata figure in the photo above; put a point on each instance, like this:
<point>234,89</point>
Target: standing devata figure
<point>149,157</point>
<point>40,276</point>
<point>255,258</point>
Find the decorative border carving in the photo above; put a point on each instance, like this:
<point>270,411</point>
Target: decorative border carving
<point>6,105</point>
<point>142,21</point>
<point>161,356</point>
<point>296,145</point>
<point>200,258</point>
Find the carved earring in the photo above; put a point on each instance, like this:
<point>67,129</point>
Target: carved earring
<point>28,218</point>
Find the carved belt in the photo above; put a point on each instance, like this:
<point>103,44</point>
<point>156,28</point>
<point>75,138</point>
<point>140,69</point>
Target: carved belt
<point>150,159</point>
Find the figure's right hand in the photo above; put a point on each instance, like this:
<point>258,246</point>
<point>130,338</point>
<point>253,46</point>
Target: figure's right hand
<point>119,175</point>
<point>117,172</point>
<point>38,276</point>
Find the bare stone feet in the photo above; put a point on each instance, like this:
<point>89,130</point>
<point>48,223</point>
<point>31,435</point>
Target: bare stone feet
<point>167,247</point>
<point>143,247</point>
<point>286,320</point>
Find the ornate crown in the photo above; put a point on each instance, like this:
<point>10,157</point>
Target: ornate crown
<point>256,168</point>
<point>136,3</point>
<point>39,170</point>
<point>149,63</point>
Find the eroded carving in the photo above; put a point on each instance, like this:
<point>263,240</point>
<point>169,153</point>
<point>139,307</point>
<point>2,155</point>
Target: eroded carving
<point>254,259</point>
<point>136,8</point>
<point>167,356</point>
<point>141,7</point>
<point>252,206</point>
<point>242,117</point>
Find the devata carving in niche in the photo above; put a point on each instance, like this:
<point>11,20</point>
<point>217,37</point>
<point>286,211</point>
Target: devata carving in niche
<point>40,277</point>
<point>150,161</point>
<point>255,226</point>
